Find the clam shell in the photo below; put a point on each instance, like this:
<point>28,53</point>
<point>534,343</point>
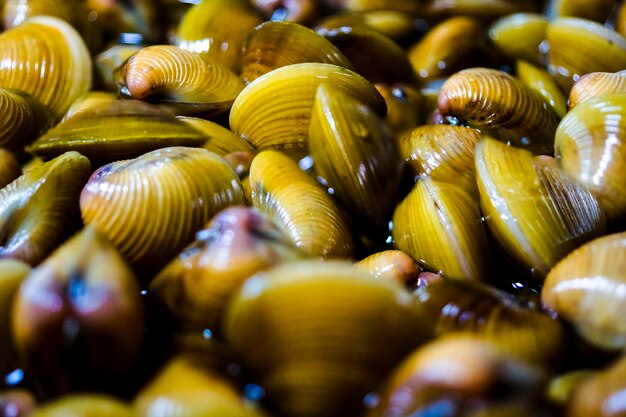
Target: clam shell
<point>598,49</point>
<point>518,36</point>
<point>405,105</point>
<point>538,213</point>
<point>394,24</point>
<point>221,140</point>
<point>108,130</point>
<point>274,45</point>
<point>189,82</point>
<point>12,273</point>
<point>275,109</point>
<point>219,29</point>
<point>134,16</point>
<point>150,207</point>
<point>541,81</point>
<point>236,244</point>
<point>482,9</point>
<point>491,99</point>
<point>24,120</point>
<point>324,334</point>
<point>10,169</point>
<point>590,145</point>
<point>79,405</point>
<point>392,265</point>
<point>597,84</point>
<point>108,61</point>
<point>356,155</point>
<point>442,152</point>
<point>584,289</point>
<point>46,58</point>
<point>439,225</point>
<point>39,210</point>
<point>299,206</point>
<point>406,6</point>
<point>448,47</point>
<point>597,10</point>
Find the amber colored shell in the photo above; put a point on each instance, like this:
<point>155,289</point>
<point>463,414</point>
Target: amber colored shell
<point>305,321</point>
<point>518,36</point>
<point>542,82</point>
<point>597,10</point>
<point>538,213</point>
<point>590,145</point>
<point>79,405</point>
<point>53,61</point>
<point>150,207</point>
<point>354,151</point>
<point>220,140</point>
<point>392,265</point>
<point>24,119</point>
<point>405,104</point>
<point>600,395</point>
<point>10,169</point>
<point>491,99</point>
<point>299,206</point>
<point>12,273</point>
<point>442,152</point>
<point>39,210</point>
<point>277,44</point>
<point>93,100</point>
<point>596,84</point>
<point>481,9</point>
<point>406,6</point>
<point>119,16</point>
<point>187,81</point>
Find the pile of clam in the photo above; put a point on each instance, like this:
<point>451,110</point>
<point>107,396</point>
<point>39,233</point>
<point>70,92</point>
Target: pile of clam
<point>312,208</point>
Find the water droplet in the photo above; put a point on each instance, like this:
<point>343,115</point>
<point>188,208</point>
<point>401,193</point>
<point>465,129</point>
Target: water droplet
<point>253,392</point>
<point>14,377</point>
<point>207,334</point>
<point>371,400</point>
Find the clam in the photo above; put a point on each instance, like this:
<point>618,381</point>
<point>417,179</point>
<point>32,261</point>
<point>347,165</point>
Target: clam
<point>237,243</point>
<point>406,6</point>
<point>585,289</point>
<point>90,102</point>
<point>597,10</point>
<point>109,60</point>
<point>462,374</point>
<point>298,11</point>
<point>221,140</point>
<point>590,146</point>
<point>491,99</point>
<point>518,36</point>
<point>299,206</point>
<point>496,316</point>
<point>189,82</point>
<point>541,81</point>
<point>219,29</point>
<point>12,273</point>
<point>191,385</point>
<point>448,47</point>
<point>39,210</point>
<point>150,207</point>
<point>373,55</point>
<point>537,212</point>
<point>127,16</point>
<point>482,9</point>
<point>394,24</point>
<point>444,153</point>
<point>46,58</point>
<point>107,130</point>
<point>24,120</point>
<point>78,317</point>
<point>354,152</point>
<point>405,105</point>
<point>598,49</point>
<point>277,44</point>
<point>84,405</point>
<point>274,110</point>
<point>10,169</point>
<point>324,334</point>
<point>439,225</point>
<point>597,84</point>
<point>392,265</point>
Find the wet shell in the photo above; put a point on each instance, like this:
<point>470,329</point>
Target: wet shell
<point>277,44</point>
<point>542,82</point>
<point>90,102</point>
<point>598,10</point>
<point>109,130</point>
<point>392,265</point>
<point>538,213</point>
<point>463,372</point>
<point>10,169</point>
<point>597,84</point>
<point>12,273</point>
<point>393,24</point>
<point>130,16</point>
<point>107,62</point>
<point>150,207</point>
<point>24,119</point>
<point>354,151</point>
<point>405,105</point>
<point>584,288</point>
<point>590,145</point>
<point>274,111</point>
<point>491,99</point>
<point>373,55</point>
<point>81,405</point>
<point>444,153</point>
<point>218,28</point>
<point>46,58</point>
<point>39,210</point>
<point>92,330</point>
<point>324,335</point>
<point>598,49</point>
<point>299,206</point>
<point>440,226</point>
<point>406,6</point>
<point>189,82</point>
<point>448,47</point>
<point>482,9</point>
<point>519,36</point>
<point>221,140</point>
<point>198,284</point>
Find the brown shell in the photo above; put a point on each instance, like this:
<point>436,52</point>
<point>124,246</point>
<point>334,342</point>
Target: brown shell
<point>150,207</point>
<point>491,99</point>
<point>10,168</point>
<point>118,16</point>
<point>518,36</point>
<point>220,140</point>
<point>481,9</point>
<point>24,119</point>
<point>405,105</point>
<point>392,265</point>
<point>597,84</point>
<point>541,81</point>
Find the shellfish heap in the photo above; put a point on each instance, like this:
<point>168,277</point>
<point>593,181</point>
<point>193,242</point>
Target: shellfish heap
<point>312,208</point>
